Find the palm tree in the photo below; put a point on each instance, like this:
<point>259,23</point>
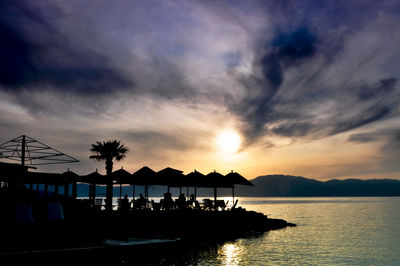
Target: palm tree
<point>108,151</point>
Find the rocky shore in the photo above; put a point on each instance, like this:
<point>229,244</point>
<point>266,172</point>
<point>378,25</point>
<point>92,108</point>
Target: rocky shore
<point>88,230</point>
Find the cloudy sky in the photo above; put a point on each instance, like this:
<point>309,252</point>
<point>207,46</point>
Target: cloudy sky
<point>310,87</point>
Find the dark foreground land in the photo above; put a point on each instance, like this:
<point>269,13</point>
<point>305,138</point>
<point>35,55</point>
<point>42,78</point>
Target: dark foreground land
<point>93,235</point>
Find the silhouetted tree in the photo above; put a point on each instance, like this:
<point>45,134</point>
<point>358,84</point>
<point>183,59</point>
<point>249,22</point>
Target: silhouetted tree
<point>108,151</point>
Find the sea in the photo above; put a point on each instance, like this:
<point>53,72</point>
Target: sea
<point>329,231</point>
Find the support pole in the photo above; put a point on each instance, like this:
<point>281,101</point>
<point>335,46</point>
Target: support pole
<point>94,192</point>
<point>23,151</point>
<point>90,191</point>
<point>66,189</point>
<point>74,190</point>
<point>46,190</point>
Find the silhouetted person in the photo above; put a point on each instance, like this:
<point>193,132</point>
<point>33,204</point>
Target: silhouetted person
<point>168,202</point>
<point>125,203</point>
<point>181,201</point>
<point>141,201</point>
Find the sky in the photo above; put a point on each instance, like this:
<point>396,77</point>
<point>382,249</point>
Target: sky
<point>309,87</point>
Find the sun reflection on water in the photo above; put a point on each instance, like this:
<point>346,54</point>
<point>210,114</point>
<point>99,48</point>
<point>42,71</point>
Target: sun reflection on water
<point>230,254</point>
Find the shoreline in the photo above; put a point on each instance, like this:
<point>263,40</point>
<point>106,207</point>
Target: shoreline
<point>90,232</point>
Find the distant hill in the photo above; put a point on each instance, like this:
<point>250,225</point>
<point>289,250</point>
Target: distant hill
<point>276,186</point>
<point>297,186</point>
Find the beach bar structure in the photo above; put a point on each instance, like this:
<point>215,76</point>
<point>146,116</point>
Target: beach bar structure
<point>30,153</point>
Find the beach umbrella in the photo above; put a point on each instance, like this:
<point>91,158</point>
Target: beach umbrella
<point>237,179</point>
<point>145,176</point>
<point>71,178</point>
<point>216,180</point>
<point>92,179</point>
<point>171,177</point>
<point>195,179</point>
<point>122,177</point>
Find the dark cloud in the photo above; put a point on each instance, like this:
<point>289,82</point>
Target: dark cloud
<point>292,74</point>
<point>295,129</point>
<point>284,51</point>
<point>379,90</point>
<point>363,138</point>
<point>35,55</point>
<point>390,139</point>
<point>157,140</point>
<point>295,88</point>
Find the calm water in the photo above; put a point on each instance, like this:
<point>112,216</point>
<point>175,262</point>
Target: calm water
<point>330,231</point>
<point>333,231</point>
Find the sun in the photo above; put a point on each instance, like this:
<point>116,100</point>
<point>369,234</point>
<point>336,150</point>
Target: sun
<point>228,141</point>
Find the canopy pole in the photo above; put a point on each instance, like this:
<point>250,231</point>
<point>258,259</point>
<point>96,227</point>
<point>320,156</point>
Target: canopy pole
<point>46,189</point>
<point>90,191</point>
<point>66,189</point>
<point>133,191</point>
<point>195,193</point>
<point>94,192</point>
<point>120,191</point>
<point>215,193</point>
<point>23,151</point>
<point>74,190</point>
<point>146,195</point>
<point>233,193</point>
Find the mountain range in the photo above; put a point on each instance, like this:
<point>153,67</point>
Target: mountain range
<point>297,186</point>
<point>279,186</point>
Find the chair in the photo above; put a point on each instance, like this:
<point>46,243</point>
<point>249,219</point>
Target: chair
<point>98,203</point>
<point>123,204</point>
<point>234,205</point>
<point>197,205</point>
<point>220,204</point>
<point>155,206</point>
<point>55,211</point>
<point>208,204</point>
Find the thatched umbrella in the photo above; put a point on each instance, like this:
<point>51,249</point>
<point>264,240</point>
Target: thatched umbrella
<point>195,179</point>
<point>216,180</point>
<point>237,179</point>
<point>122,177</point>
<point>171,178</point>
<point>71,178</point>
<point>145,176</point>
<point>92,179</point>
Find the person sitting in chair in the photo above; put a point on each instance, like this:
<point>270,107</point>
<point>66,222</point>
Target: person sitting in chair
<point>141,201</point>
<point>168,202</point>
<point>182,201</point>
<point>191,201</point>
<point>124,204</point>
